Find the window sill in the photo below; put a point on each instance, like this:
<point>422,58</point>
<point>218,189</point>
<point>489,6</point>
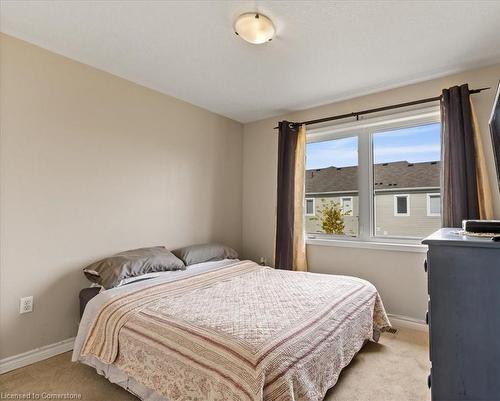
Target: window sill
<point>384,246</point>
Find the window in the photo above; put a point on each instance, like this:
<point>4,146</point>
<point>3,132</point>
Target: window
<point>310,209</point>
<point>375,179</point>
<point>433,205</point>
<point>332,178</point>
<point>405,167</point>
<point>401,205</point>
<point>346,205</point>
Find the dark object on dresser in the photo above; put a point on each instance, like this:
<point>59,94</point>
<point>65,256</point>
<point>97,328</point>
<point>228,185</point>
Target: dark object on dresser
<point>481,226</point>
<point>86,295</point>
<point>463,316</point>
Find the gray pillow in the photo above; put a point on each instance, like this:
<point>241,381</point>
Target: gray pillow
<point>109,272</point>
<point>204,253</point>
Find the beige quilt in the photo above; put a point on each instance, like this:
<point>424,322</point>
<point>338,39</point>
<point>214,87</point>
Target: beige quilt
<point>240,332</point>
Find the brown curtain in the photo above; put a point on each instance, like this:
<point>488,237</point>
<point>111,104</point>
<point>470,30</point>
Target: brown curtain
<point>290,242</point>
<point>458,174</point>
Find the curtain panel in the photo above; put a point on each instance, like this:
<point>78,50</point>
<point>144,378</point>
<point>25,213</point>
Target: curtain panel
<point>464,185</point>
<point>290,251</point>
<point>484,193</point>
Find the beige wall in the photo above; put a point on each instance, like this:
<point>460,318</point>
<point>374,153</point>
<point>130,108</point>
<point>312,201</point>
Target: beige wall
<point>92,164</point>
<point>398,275</point>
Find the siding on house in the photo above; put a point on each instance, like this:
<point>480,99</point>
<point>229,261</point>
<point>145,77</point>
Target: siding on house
<point>416,180</point>
<point>417,224</point>
<point>351,225</point>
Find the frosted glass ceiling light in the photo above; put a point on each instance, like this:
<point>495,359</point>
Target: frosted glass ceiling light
<point>254,28</point>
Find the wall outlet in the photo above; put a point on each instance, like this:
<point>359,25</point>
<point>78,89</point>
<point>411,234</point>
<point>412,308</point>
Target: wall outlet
<point>26,305</point>
<point>263,261</point>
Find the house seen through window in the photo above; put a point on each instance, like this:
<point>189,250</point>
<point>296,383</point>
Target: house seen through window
<point>332,181</point>
<point>401,186</point>
<point>405,173</point>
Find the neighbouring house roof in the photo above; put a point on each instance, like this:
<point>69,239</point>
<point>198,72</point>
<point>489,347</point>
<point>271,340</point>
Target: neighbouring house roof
<point>390,176</point>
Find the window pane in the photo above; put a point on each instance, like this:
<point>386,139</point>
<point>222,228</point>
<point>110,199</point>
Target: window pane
<point>406,162</point>
<point>435,204</point>
<point>309,206</point>
<point>347,205</point>
<point>332,180</point>
<point>402,205</point>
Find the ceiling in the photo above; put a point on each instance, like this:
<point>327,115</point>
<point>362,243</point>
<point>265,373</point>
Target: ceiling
<point>324,50</point>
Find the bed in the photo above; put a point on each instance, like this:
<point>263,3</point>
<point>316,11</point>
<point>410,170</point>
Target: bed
<point>229,330</point>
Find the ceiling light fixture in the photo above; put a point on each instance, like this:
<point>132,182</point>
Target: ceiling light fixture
<point>254,28</point>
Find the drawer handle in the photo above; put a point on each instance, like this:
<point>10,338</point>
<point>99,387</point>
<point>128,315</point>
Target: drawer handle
<point>429,381</point>
<point>425,265</point>
<point>427,317</point>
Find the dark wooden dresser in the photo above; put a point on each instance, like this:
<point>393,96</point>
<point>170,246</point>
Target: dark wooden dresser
<point>463,316</point>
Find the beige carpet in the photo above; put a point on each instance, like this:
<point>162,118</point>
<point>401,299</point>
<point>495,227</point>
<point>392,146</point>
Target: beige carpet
<point>394,370</point>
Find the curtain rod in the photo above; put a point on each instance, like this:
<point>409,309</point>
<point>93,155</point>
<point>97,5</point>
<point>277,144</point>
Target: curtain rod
<point>384,108</point>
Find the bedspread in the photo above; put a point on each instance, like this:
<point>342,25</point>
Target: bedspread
<point>239,332</point>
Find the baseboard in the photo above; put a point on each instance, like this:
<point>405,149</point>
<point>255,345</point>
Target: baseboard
<point>406,322</point>
<point>35,355</point>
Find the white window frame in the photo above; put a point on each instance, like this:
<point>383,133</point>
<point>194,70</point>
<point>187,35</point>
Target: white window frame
<point>364,129</point>
<point>407,196</point>
<point>342,203</point>
<point>314,206</point>
<point>429,214</point>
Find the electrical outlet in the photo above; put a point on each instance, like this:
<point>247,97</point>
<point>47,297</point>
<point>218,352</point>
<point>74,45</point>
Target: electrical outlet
<point>26,305</point>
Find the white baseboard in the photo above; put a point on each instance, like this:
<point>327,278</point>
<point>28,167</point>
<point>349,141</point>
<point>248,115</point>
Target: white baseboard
<point>35,355</point>
<point>406,322</point>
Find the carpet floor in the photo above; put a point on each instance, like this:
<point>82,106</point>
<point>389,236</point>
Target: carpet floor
<point>395,369</point>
